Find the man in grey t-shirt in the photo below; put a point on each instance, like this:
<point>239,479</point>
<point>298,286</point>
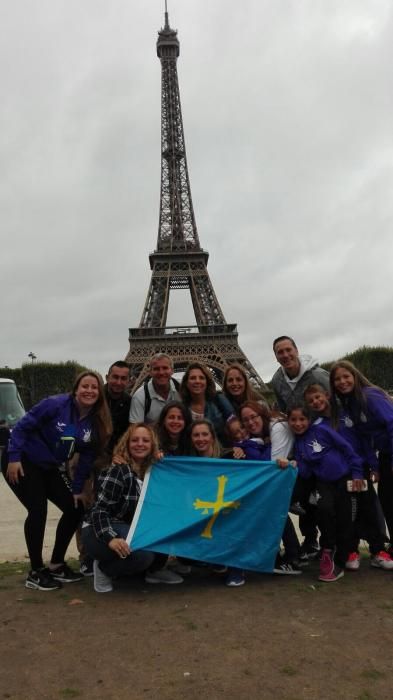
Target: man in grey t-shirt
<point>149,400</point>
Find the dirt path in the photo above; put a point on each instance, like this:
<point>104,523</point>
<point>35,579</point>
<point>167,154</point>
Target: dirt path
<point>277,637</point>
<point>12,515</point>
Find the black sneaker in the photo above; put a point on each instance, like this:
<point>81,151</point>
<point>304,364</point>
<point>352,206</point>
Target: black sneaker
<point>309,551</point>
<point>65,574</point>
<point>41,580</point>
<point>287,569</point>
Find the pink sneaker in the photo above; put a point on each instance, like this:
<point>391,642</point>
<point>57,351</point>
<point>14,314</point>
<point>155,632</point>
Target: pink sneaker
<point>334,574</point>
<point>353,562</point>
<point>326,564</point>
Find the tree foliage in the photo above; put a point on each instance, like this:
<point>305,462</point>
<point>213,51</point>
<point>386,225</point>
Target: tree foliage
<point>36,381</point>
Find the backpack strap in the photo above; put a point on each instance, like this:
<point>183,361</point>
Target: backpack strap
<point>147,398</point>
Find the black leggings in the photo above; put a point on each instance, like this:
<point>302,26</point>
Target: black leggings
<point>34,490</point>
<point>385,489</point>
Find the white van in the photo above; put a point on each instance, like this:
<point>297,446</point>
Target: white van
<point>11,408</point>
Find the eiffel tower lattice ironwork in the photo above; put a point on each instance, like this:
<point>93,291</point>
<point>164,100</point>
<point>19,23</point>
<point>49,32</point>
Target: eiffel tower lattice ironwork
<point>179,262</point>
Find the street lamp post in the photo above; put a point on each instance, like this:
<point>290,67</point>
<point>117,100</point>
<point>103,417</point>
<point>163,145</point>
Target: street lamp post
<point>32,387</point>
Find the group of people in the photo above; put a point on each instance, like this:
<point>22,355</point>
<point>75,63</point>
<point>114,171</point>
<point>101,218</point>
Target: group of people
<point>88,453</point>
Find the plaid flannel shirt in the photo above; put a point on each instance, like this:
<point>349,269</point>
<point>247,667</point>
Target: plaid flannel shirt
<point>117,498</point>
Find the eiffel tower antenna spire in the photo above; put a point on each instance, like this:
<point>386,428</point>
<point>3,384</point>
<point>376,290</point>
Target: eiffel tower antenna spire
<point>178,261</point>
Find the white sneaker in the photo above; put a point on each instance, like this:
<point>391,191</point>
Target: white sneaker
<point>353,562</point>
<point>382,560</point>
<point>102,582</point>
<point>163,576</point>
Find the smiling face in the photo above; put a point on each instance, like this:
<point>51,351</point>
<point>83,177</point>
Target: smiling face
<point>117,380</point>
<point>288,357</point>
<point>298,422</point>
<point>318,401</point>
<point>252,421</point>
<point>140,445</point>
<point>343,380</point>
<point>174,422</point>
<point>202,440</point>
<point>196,383</point>
<point>235,384</point>
<point>236,430</point>
<point>161,371</point>
<point>87,392</point>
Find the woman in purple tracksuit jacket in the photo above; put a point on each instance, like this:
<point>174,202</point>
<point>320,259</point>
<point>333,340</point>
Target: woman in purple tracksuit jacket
<point>371,410</point>
<point>35,467</point>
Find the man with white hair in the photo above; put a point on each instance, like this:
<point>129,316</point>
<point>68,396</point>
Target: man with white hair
<point>149,400</point>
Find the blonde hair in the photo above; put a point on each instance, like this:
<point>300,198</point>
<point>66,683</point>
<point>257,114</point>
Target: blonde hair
<point>216,444</point>
<point>122,449</point>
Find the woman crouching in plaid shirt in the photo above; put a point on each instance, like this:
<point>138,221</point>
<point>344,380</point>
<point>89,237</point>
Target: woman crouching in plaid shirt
<point>106,525</point>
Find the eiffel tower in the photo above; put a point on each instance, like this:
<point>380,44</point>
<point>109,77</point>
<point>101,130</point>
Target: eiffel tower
<point>179,262</point>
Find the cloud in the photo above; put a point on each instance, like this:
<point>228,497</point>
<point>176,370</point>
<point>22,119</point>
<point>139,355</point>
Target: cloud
<point>287,115</point>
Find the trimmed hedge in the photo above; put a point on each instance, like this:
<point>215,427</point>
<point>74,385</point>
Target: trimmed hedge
<point>36,381</point>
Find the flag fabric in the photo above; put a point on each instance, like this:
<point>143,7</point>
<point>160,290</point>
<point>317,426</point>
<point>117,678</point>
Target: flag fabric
<point>229,512</point>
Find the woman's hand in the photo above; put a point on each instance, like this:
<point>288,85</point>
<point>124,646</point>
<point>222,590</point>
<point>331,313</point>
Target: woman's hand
<point>116,459</point>
<point>238,453</point>
<point>285,463</point>
<point>14,472</point>
<point>357,484</point>
<point>120,547</point>
<point>79,498</point>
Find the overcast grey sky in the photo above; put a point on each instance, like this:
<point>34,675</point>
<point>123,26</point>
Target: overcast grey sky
<point>287,109</point>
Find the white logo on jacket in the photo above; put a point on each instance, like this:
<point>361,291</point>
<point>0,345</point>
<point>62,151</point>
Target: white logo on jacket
<point>348,422</point>
<point>60,426</point>
<point>86,435</point>
<point>316,446</point>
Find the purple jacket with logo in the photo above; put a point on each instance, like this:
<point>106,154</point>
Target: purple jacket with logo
<point>325,453</point>
<point>374,423</point>
<point>50,433</point>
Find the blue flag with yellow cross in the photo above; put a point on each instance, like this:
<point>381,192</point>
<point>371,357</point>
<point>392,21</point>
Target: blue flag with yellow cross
<point>222,511</point>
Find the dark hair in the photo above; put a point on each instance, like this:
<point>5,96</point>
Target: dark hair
<point>261,410</point>
<point>300,407</point>
<point>249,393</point>
<point>360,381</point>
<point>210,386</point>
<point>283,337</point>
<point>216,444</point>
<point>119,363</point>
<point>162,433</point>
<point>102,421</point>
<point>267,414</point>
